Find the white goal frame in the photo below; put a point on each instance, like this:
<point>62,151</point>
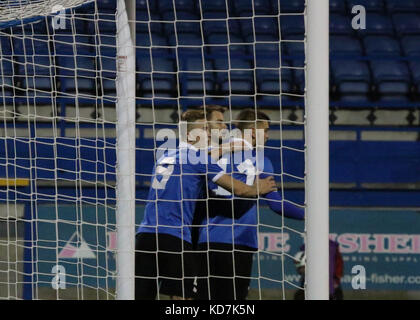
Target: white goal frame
<point>317,150</point>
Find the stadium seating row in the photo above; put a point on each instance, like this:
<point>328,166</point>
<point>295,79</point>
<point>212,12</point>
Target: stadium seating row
<point>351,161</point>
<point>218,31</point>
<point>352,81</point>
<point>342,45</point>
<point>221,9</point>
<point>220,57</point>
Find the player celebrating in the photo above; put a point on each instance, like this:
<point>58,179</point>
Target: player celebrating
<point>231,238</point>
<point>163,240</point>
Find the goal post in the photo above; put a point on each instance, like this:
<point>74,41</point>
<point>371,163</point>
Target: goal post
<point>317,150</point>
<point>126,150</point>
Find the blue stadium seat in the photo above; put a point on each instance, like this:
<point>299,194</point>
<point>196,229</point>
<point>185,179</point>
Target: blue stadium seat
<point>216,58</point>
<point>266,28</point>
<point>378,24</point>
<point>163,61</point>
<point>354,91</point>
<point>340,24</point>
<point>241,63</point>
<point>188,33</point>
<point>392,79</point>
<point>415,71</point>
<point>345,46</point>
<point>394,6</point>
<point>337,6</point>
<point>267,7</point>
<point>294,48</point>
<point>351,79</point>
<point>107,44</point>
<point>187,10</point>
<point>105,49</point>
<point>245,27</point>
<point>154,11</point>
<point>106,27</point>
<point>38,28</point>
<point>142,12</point>
<point>69,45</point>
<point>382,45</point>
<point>87,25</point>
<point>410,45</point>
<point>214,9</point>
<point>35,75</point>
<point>407,23</point>
<point>268,81</point>
<point>290,6</point>
<point>77,74</point>
<point>267,55</point>
<point>143,60</point>
<point>370,5</point>
<point>165,8</point>
<point>106,37</point>
<point>237,82</point>
<point>235,62</point>
<point>142,15</point>
<point>296,55</point>
<point>274,101</point>
<point>243,48</point>
<point>150,83</point>
<point>196,85</point>
<point>144,35</point>
<point>26,39</point>
<point>350,71</point>
<point>292,27</point>
<point>190,59</point>
<point>261,7</point>
<point>108,72</point>
<point>298,75</point>
<point>38,45</point>
<point>238,27</point>
<point>241,8</point>
<point>164,85</point>
<point>215,32</point>
<point>5,45</point>
<point>6,79</point>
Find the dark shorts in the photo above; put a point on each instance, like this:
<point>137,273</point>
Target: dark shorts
<point>164,264</point>
<point>224,273</point>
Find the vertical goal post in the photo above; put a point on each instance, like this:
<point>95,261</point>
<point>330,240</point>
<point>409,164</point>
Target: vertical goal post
<point>317,150</point>
<point>126,149</point>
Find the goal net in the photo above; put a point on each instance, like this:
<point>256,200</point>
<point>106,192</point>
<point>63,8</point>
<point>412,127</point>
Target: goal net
<point>74,108</point>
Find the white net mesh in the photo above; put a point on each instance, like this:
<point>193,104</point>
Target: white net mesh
<point>58,155</point>
<point>58,131</point>
<point>22,9</point>
<point>237,54</point>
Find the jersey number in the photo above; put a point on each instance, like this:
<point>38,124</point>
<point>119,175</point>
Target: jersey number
<point>164,170</point>
<point>246,167</point>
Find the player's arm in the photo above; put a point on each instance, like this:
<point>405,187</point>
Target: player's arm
<point>275,200</point>
<point>240,189</point>
<point>226,207</point>
<point>292,211</point>
<point>232,146</point>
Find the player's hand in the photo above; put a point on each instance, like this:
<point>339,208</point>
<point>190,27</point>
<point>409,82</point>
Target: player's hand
<point>266,185</point>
